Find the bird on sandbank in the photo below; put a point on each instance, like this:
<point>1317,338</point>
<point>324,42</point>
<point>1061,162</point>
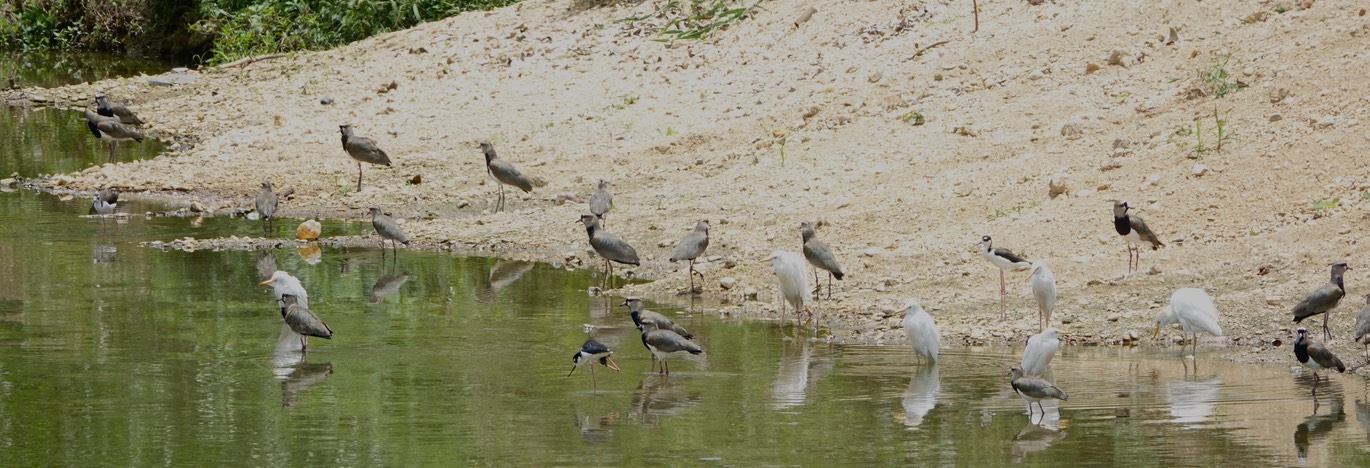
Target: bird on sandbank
<point>505,173</point>
<point>820,256</point>
<point>610,247</point>
<point>1135,232</point>
<point>1313,355</point>
<point>1324,299</point>
<point>363,150</point>
<point>691,247</point>
<point>1005,260</point>
<point>111,131</point>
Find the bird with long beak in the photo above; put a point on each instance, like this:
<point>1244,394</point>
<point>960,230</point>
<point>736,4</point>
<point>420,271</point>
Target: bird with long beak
<point>590,352</point>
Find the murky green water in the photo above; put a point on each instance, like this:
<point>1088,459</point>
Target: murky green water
<point>116,354</point>
<point>51,69</point>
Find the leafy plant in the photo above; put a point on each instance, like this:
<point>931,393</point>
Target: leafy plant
<point>1217,81</point>
<point>694,19</point>
<point>1326,204</point>
<point>913,117</point>
<point>1219,135</point>
<point>997,213</point>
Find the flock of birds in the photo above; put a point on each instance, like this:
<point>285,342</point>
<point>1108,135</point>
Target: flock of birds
<point>1192,309</point>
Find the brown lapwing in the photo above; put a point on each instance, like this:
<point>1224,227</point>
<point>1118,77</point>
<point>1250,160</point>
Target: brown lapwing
<point>363,150</point>
<point>601,201</point>
<point>266,204</point>
<point>111,131</point>
<point>1135,232</point>
<point>609,246</point>
<point>1363,328</point>
<point>820,256</point>
<point>1324,299</point>
<point>590,352</point>
<point>104,107</point>
<point>389,230</point>
<point>506,174</point>
<point>666,343</point>
<point>1033,389</point>
<point>1313,355</point>
<point>691,247</point>
<point>1005,260</point>
<point>303,321</point>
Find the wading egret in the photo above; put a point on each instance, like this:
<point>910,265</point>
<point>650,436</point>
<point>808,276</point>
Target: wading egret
<point>922,331</point>
<point>1044,291</point>
<point>789,271</point>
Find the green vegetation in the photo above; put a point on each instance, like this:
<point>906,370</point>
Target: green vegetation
<point>694,19</point>
<point>1216,80</point>
<point>215,31</point>
<point>1207,138</point>
<point>1015,209</point>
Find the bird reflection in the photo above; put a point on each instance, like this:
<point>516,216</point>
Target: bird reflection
<point>1035,438</point>
<point>504,273</point>
<point>799,373</point>
<point>921,396</point>
<point>103,253</point>
<point>1315,428</point>
<point>595,427</point>
<point>266,264</point>
<point>1363,417</point>
<point>658,396</point>
<point>299,376</point>
<point>1192,401</point>
<point>387,285</point>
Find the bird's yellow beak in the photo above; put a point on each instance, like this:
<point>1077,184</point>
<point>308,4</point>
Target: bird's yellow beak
<point>611,364</point>
<point>264,283</point>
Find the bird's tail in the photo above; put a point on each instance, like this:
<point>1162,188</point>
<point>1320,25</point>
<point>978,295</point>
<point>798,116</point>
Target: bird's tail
<point>538,181</point>
<point>1157,245</point>
<point>838,275</point>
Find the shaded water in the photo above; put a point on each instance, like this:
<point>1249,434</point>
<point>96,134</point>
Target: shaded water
<point>52,69</point>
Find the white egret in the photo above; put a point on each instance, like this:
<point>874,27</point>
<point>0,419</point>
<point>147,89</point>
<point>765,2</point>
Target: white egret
<point>1193,309</point>
<point>922,331</point>
<point>1041,348</point>
<point>282,284</point>
<point>1044,290</point>
<point>794,283</point>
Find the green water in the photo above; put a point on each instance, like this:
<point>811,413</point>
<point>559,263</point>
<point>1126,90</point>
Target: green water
<point>52,69</point>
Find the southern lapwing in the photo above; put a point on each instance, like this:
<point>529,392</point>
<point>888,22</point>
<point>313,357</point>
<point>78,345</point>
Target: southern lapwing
<point>266,203</point>
<point>1324,299</point>
<point>609,246</point>
<point>506,174</point>
<point>1005,260</point>
<point>666,343</point>
<point>590,353</point>
<point>640,315</point>
<point>922,332</point>
<point>110,131</point>
<point>1313,355</point>
<point>388,229</point>
<point>601,201</point>
<point>303,321</point>
<point>1193,309</point>
<point>363,150</point>
<point>104,107</point>
<point>691,247</point>
<point>1033,389</point>
<point>820,256</point>
<point>1135,232</point>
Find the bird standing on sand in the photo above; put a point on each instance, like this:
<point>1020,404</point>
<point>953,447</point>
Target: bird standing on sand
<point>105,202</point>
<point>589,353</point>
<point>266,203</point>
<point>1193,309</point>
<point>388,229</point>
<point>609,246</point>
<point>666,343</point>
<point>691,247</point>
<point>506,174</point>
<point>104,107</point>
<point>922,332</point>
<point>1324,299</point>
<point>1135,232</point>
<point>1313,355</point>
<point>303,321</point>
<point>1033,389</point>
<point>110,131</point>
<point>820,256</point>
<point>1005,260</point>
<point>794,281</point>
<point>363,150</point>
<point>601,201</point>
<point>1041,348</point>
<point>1363,327</point>
<point>1044,291</point>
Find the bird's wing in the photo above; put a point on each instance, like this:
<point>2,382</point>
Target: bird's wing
<point>367,150</point>
<point>1319,354</point>
<point>1144,232</point>
<point>1196,307</point>
<point>601,202</point>
<point>387,227</point>
<point>507,174</point>
<point>614,248</point>
<point>1322,300</point>
<point>306,322</point>
<point>1038,354</point>
<point>1363,323</point>
<point>1009,255</point>
<point>690,247</point>
<point>118,130</point>
<point>818,254</point>
<point>125,115</point>
<point>594,347</point>
<point>923,334</point>
<point>1038,388</point>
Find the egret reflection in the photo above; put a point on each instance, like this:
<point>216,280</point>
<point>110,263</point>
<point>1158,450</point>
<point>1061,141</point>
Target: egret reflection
<point>921,395</point>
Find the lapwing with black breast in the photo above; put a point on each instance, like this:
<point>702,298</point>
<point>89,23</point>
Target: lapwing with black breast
<point>111,131</point>
<point>105,107</point>
<point>1005,260</point>
<point>505,173</point>
<point>609,246</point>
<point>820,256</point>
<point>1313,355</point>
<point>691,247</point>
<point>1135,232</point>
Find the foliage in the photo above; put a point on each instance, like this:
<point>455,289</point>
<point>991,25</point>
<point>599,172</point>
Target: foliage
<point>694,19</point>
<point>1217,81</point>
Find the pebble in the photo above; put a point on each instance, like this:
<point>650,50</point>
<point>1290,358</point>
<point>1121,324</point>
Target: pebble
<point>198,207</point>
<point>1200,170</point>
<point>1113,317</point>
<point>727,283</point>
<point>1274,300</point>
<point>308,230</point>
<point>326,100</point>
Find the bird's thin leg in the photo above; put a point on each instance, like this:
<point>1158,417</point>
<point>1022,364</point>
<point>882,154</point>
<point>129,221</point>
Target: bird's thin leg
<point>111,151</point>
<point>359,176</point>
<point>816,285</point>
<point>830,285</point>
<point>1003,293</point>
<point>594,381</point>
<point>1326,335</point>
<point>499,205</point>
<point>692,276</point>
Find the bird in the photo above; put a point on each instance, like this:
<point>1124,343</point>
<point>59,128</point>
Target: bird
<point>1363,327</point>
<point>1044,291</point>
<point>691,247</point>
<point>1135,232</point>
<point>1313,355</point>
<point>1324,299</point>
<point>363,150</point>
<point>113,109</point>
<point>921,395</point>
<point>506,174</point>
<point>666,343</point>
<point>303,321</point>
<point>1041,348</point>
<point>789,271</point>
<point>266,203</point>
<point>111,131</point>
<point>1193,309</point>
<point>924,336</point>
<point>283,284</point>
<point>601,201</point>
<point>820,256</point>
<point>640,315</point>
<point>1033,389</point>
<point>590,352</point>
<point>388,229</point>
<point>387,285</point>
<point>105,201</point>
<point>1006,261</point>
<point>609,246</point>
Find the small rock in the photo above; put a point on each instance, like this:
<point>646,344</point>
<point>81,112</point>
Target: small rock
<point>308,230</point>
<point>1115,58</point>
<point>1091,68</point>
<point>198,207</point>
<point>1067,320</point>
<point>727,283</point>
<point>750,294</point>
<point>1057,187</point>
<point>874,78</point>
<point>7,182</point>
<point>1132,335</point>
<point>1274,300</point>
<point>1151,180</point>
<point>1199,170</point>
<point>1071,131</point>
<point>326,100</point>
<point>1113,317</point>
<point>1153,271</point>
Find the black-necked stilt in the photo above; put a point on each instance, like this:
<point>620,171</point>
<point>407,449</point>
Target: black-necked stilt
<point>666,343</point>
<point>820,256</point>
<point>1313,355</point>
<point>266,203</point>
<point>789,271</point>
<point>589,353</point>
<point>1033,389</point>
<point>1324,299</point>
<point>601,201</point>
<point>388,229</point>
<point>1038,353</point>
<point>1135,232</point>
<point>1363,329</point>
<point>691,247</point>
<point>110,131</point>
<point>1005,260</point>
<point>105,202</point>
<point>609,246</point>
<point>303,321</point>
<point>1044,291</point>
<point>922,331</point>
<point>1193,309</point>
<point>104,107</point>
<point>363,150</point>
<point>506,174</point>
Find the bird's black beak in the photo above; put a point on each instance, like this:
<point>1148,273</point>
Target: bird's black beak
<point>573,370</point>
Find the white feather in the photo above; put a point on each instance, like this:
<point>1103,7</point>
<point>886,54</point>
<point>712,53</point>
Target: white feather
<point>1044,289</point>
<point>1194,310</point>
<point>921,330</point>
<point>281,284</point>
<point>1041,348</point>
<point>789,271</point>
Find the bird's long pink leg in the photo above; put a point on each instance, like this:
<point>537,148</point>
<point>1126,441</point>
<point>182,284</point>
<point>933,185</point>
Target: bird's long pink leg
<point>1002,294</point>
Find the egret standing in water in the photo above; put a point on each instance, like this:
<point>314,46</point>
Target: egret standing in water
<point>589,353</point>
<point>1033,389</point>
<point>1044,291</point>
<point>1193,309</point>
<point>1041,348</point>
<point>283,284</point>
<point>922,331</point>
<point>1004,260</point>
<point>794,283</point>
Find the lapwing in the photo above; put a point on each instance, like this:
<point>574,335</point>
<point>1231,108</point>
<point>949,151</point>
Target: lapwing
<point>820,256</point>
<point>1324,299</point>
<point>363,150</point>
<point>506,174</point>
<point>691,247</point>
<point>1135,232</point>
<point>1313,355</point>
<point>609,246</point>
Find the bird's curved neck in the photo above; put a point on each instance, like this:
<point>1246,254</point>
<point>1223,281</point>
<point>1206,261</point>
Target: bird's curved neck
<point>807,234</point>
<point>1337,280</point>
<point>1122,224</point>
<point>591,228</point>
<point>346,136</point>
